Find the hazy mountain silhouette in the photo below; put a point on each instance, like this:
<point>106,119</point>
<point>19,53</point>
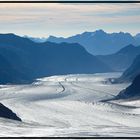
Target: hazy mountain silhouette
<point>22,60</point>
<point>100,42</point>
<point>121,60</point>
<point>133,91</point>
<point>7,113</point>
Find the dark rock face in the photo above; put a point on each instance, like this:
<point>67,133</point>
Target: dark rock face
<point>133,91</point>
<point>7,113</point>
<point>22,60</point>
<point>121,60</point>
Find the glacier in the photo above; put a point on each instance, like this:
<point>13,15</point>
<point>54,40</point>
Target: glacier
<point>70,105</point>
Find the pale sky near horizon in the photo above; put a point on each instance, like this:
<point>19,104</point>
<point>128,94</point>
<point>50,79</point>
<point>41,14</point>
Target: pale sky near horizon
<point>42,20</point>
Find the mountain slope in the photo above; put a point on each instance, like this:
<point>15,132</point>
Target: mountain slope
<point>137,38</point>
<point>121,60</point>
<point>99,42</point>
<point>7,113</point>
<point>133,91</point>
<point>131,72</point>
<point>22,60</point>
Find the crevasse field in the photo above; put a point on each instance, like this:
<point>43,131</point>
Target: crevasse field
<point>69,105</point>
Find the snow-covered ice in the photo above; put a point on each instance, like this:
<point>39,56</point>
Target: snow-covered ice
<point>69,105</point>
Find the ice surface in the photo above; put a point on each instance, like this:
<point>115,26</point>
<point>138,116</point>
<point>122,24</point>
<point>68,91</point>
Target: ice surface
<point>69,105</point>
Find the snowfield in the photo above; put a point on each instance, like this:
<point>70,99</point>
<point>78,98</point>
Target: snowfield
<point>69,105</point>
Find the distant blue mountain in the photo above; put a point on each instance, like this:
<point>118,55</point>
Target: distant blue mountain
<point>121,60</point>
<point>22,60</point>
<point>100,42</point>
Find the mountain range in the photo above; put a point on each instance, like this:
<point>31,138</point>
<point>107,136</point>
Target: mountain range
<point>22,60</point>
<point>100,42</point>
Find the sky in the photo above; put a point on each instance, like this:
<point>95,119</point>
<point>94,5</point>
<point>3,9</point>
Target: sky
<point>42,20</point>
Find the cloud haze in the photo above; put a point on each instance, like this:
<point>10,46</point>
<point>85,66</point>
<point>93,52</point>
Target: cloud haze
<point>67,19</point>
